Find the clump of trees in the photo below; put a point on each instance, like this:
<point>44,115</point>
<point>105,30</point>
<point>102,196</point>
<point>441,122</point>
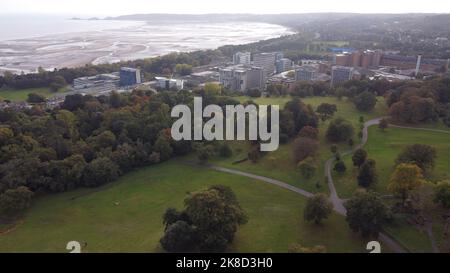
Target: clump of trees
<point>365,101</point>
<point>88,142</point>
<point>208,222</point>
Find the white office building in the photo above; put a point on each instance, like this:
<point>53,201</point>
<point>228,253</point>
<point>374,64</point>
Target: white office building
<point>242,78</point>
<point>242,58</point>
<point>265,61</point>
<point>169,84</point>
<point>305,73</point>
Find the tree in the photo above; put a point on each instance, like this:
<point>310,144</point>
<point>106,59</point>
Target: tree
<point>317,208</point>
<point>309,132</point>
<point>217,214</point>
<point>442,194</point>
<point>254,93</point>
<point>326,110</point>
<point>359,157</point>
<point>162,146</point>
<point>57,83</point>
<point>340,167</point>
<point>366,213</point>
<point>304,147</point>
<point>100,171</point>
<point>183,69</point>
<point>307,167</point>
<point>334,148</point>
<point>367,174</point>
<point>405,178</point>
<point>365,101</point>
<point>205,152</point>
<point>225,150</point>
<point>339,130</point>
<point>422,155</point>
<point>383,125</point>
<point>14,201</point>
<point>36,98</point>
<point>6,135</point>
<point>179,237</point>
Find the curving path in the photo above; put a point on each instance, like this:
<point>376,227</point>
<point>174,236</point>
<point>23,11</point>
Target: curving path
<point>338,203</point>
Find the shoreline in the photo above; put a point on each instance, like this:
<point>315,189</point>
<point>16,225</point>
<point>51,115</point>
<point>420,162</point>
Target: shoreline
<point>72,50</point>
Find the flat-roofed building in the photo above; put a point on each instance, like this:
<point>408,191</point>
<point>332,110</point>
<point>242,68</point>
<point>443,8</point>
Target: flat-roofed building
<point>130,76</point>
<point>242,77</point>
<point>283,65</point>
<point>341,74</point>
<point>97,84</point>
<point>305,73</point>
<point>266,61</point>
<point>169,84</point>
<point>242,58</point>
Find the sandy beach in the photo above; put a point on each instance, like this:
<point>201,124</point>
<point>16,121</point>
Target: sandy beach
<point>141,41</point>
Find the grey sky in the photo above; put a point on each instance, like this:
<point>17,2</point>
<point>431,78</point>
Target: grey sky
<point>118,7</point>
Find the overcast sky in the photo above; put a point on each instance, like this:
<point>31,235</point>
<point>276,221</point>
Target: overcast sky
<point>120,7</point>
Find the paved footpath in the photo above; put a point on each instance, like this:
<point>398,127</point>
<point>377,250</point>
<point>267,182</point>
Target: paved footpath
<point>338,203</point>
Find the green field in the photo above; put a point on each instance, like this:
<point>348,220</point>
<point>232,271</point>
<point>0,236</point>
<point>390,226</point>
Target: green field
<point>126,216</point>
<point>22,94</point>
<point>280,165</point>
<point>384,147</point>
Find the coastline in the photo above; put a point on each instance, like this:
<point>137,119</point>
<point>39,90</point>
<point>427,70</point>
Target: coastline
<point>73,50</point>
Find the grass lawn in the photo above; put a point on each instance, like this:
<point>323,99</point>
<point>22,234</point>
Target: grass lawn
<point>384,147</point>
<point>279,164</point>
<point>134,225</point>
<point>22,94</point>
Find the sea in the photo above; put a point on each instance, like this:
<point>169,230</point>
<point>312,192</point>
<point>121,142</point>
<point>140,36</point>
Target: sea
<point>50,41</point>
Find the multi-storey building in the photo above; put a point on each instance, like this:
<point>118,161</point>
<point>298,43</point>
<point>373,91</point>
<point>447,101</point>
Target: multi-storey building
<point>305,73</point>
<point>242,58</point>
<point>266,61</point>
<point>169,84</point>
<point>97,84</point>
<point>130,76</point>
<point>242,77</point>
<point>283,65</point>
<point>341,74</point>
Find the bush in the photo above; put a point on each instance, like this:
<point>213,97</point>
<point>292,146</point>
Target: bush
<point>340,167</point>
<point>307,168</point>
<point>14,201</point>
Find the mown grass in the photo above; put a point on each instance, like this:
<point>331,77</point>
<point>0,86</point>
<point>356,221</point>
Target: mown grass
<point>125,216</point>
<point>22,94</point>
